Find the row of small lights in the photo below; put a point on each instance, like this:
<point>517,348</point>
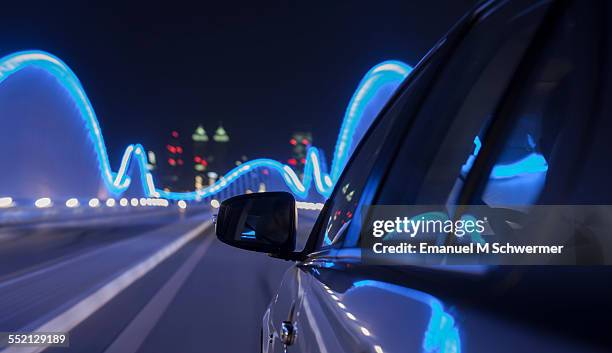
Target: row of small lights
<point>351,316</point>
<point>46,202</point>
<point>300,205</point>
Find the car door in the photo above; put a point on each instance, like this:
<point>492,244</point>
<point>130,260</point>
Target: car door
<point>332,301</point>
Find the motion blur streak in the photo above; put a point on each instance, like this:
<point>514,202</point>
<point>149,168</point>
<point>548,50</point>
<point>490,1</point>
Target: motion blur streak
<point>384,77</point>
<point>80,311</point>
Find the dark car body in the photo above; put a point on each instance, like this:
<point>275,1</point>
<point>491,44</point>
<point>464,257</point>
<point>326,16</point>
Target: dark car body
<point>525,78</point>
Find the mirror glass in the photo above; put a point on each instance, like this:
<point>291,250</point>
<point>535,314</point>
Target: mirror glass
<point>261,222</point>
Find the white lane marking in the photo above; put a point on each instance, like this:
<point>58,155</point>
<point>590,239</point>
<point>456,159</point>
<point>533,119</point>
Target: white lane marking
<point>96,220</point>
<point>312,322</point>
<point>134,335</point>
<point>38,270</point>
<point>76,314</point>
<point>56,265</point>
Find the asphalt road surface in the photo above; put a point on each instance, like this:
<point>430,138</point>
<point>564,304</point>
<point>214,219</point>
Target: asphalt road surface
<point>156,281</point>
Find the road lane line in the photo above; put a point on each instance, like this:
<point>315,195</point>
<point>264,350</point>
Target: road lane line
<point>134,335</point>
<point>38,270</point>
<point>76,314</point>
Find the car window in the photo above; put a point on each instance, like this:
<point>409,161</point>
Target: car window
<point>546,144</point>
<point>360,179</point>
<point>555,143</point>
<point>439,151</point>
<point>343,201</point>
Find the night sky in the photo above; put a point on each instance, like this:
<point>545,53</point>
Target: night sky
<point>264,70</point>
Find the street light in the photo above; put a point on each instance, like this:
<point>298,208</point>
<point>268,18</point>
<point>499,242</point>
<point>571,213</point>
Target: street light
<point>43,202</point>
<point>72,203</point>
<point>6,202</point>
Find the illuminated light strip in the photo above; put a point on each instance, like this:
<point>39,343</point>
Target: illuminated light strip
<point>385,73</point>
<point>532,163</point>
<point>123,167</point>
<point>317,171</point>
<point>382,75</point>
<point>13,63</point>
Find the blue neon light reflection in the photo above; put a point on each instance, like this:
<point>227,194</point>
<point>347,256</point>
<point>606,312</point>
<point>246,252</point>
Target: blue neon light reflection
<point>532,163</point>
<point>248,234</point>
<point>472,157</point>
<point>442,335</point>
<point>385,74</point>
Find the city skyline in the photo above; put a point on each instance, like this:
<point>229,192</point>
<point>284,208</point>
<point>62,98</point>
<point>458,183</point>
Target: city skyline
<point>194,153</point>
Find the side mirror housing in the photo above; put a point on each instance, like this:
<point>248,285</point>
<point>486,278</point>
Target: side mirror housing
<point>264,222</point>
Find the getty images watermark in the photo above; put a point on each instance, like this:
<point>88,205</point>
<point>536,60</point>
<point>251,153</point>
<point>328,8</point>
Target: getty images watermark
<point>463,235</point>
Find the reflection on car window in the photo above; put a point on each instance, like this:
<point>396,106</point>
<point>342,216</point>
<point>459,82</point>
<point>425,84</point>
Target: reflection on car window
<point>440,149</point>
<point>549,121</point>
<point>518,176</point>
<point>552,144</point>
<point>349,189</point>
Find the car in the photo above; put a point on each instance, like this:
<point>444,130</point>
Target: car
<point>510,111</point>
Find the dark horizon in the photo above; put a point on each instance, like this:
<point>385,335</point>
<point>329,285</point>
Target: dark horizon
<point>150,70</point>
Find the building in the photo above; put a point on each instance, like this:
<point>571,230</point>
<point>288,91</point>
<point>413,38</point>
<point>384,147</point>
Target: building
<point>200,142</point>
<point>175,163</point>
<point>218,159</point>
<point>300,141</point>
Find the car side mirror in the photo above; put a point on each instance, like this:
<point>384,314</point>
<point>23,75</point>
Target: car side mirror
<point>264,222</point>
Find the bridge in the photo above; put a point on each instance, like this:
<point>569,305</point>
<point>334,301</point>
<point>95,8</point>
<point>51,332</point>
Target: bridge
<point>104,253</point>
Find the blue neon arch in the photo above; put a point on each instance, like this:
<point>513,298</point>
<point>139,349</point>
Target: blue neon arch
<point>388,74</point>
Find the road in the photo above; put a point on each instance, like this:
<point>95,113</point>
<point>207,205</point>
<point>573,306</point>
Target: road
<point>152,282</point>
